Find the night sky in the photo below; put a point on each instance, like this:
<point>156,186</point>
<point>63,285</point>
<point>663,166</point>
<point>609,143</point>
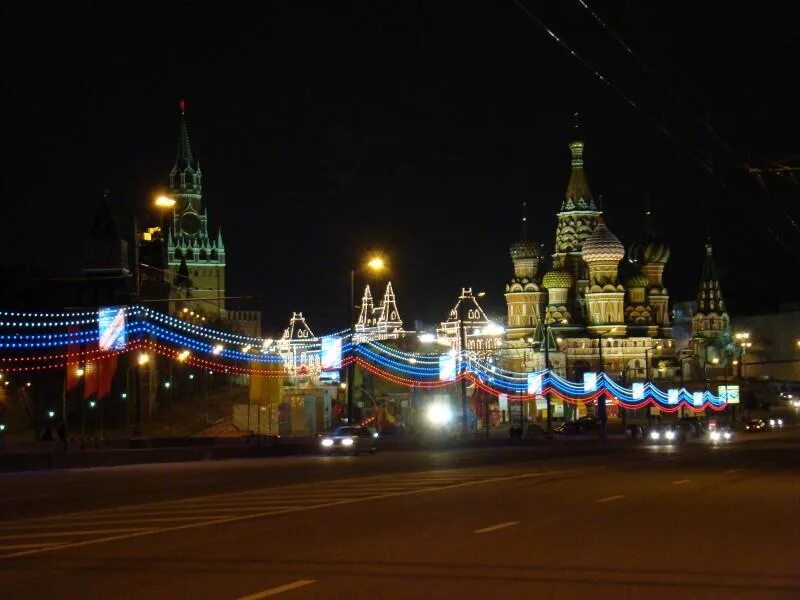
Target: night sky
<point>418,128</point>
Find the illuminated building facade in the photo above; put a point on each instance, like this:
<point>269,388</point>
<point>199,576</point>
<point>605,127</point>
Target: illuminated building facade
<point>196,259</point>
<point>482,337</point>
<point>591,295</point>
<point>380,322</point>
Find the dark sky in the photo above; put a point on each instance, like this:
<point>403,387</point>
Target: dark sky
<point>326,129</point>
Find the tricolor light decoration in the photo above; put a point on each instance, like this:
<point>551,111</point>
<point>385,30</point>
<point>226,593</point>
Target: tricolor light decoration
<point>408,369</point>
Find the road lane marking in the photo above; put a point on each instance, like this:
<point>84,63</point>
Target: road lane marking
<point>75,532</point>
<point>496,527</point>
<point>681,481</point>
<point>611,498</point>
<point>280,589</point>
<point>24,546</point>
<point>224,520</point>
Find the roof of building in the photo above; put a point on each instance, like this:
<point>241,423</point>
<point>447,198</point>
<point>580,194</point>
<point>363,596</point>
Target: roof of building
<point>603,245</point>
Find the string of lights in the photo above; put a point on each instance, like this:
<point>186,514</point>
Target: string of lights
<point>202,347</point>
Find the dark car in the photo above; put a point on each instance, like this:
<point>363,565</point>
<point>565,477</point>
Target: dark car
<point>582,425</point>
<point>349,440</point>
<point>694,426</point>
<point>755,425</point>
<point>667,434</point>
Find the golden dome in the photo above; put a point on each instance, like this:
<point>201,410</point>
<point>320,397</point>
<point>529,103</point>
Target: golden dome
<point>603,245</point>
<point>557,279</point>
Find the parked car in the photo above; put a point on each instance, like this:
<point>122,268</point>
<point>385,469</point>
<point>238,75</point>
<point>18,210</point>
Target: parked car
<point>582,425</point>
<point>755,425</point>
<point>349,440</point>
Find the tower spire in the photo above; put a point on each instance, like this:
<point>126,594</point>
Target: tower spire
<point>185,157</point>
<point>578,196</point>
<point>524,236</point>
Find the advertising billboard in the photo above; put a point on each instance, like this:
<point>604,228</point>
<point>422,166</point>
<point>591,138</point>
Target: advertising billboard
<point>111,328</point>
<point>331,358</point>
<point>447,367</point>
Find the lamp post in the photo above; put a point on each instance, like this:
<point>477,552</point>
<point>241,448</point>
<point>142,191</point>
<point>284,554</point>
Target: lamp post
<point>601,400</point>
<point>375,264</point>
<point>141,360</point>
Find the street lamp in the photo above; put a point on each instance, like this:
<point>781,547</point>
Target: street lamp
<point>375,264</point>
<point>141,360</point>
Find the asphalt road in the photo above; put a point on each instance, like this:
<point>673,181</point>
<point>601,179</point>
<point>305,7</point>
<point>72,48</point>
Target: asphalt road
<point>616,519</point>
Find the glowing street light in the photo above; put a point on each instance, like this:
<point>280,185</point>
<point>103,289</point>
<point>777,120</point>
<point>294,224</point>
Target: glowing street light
<point>143,359</point>
<point>217,349</point>
<point>183,355</point>
<point>79,372</point>
<point>164,202</point>
<point>376,263</point>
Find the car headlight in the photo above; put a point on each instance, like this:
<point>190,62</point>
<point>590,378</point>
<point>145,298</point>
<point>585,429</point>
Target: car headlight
<point>326,442</point>
<point>780,422</point>
<point>654,435</point>
<point>728,435</point>
<point>772,422</point>
<point>375,435</point>
<point>670,435</point>
<point>715,436</point>
<point>347,442</point>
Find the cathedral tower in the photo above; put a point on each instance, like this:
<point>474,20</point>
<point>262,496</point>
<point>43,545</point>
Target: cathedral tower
<point>605,297</point>
<point>710,317</point>
<point>578,216</point>
<point>525,298</point>
<point>188,239</point>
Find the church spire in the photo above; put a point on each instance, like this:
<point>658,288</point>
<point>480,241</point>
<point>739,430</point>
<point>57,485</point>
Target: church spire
<point>524,235</point>
<point>184,158</point>
<point>578,196</point>
<point>710,316</point>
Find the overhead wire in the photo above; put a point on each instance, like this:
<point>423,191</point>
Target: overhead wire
<point>658,125</point>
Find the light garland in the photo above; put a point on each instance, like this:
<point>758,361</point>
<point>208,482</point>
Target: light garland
<point>172,337</point>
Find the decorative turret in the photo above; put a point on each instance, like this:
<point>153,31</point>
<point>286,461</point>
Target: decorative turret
<point>637,311</point>
<point>366,314</point>
<point>389,315</point>
<point>711,316</point>
<point>524,295</point>
<point>298,329</point>
<point>651,256</point>
<point>579,212</point>
<point>605,297</point>
<point>602,252</point>
<point>558,283</point>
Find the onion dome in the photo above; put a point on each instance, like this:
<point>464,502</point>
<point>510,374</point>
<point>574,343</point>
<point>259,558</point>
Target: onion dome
<point>603,245</point>
<point>636,280</point>
<point>652,251</point>
<point>525,249</point>
<point>557,279</point>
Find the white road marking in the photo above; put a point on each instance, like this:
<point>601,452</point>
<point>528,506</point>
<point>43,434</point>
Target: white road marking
<point>39,545</point>
<point>77,532</point>
<point>279,590</point>
<point>496,527</point>
<point>681,481</point>
<point>220,520</point>
<point>611,498</point>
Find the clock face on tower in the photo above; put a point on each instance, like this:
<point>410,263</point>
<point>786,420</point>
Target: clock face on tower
<point>190,223</point>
